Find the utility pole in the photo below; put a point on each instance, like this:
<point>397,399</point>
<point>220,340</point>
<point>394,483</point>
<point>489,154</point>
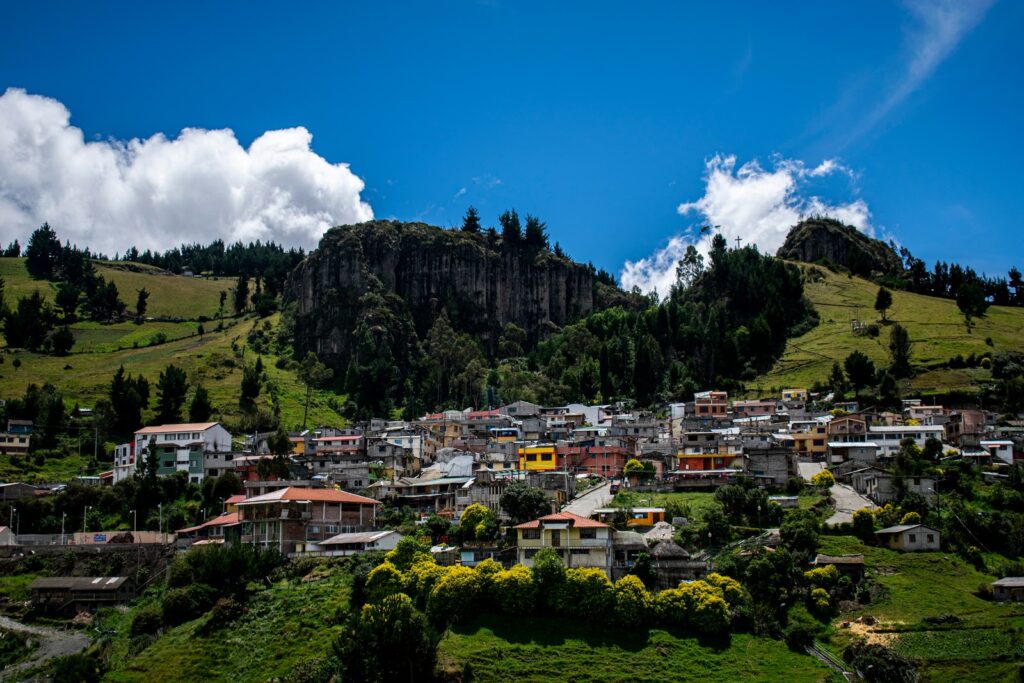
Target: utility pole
<point>63,517</point>
<point>85,519</point>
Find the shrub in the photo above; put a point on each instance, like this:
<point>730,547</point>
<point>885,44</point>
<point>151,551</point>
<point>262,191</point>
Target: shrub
<point>587,593</point>
<point>454,595</point>
<point>911,518</point>
<point>407,552</point>
<point>487,570</point>
<point>513,591</point>
<point>389,641</point>
<point>185,604</point>
<point>819,603</point>
<point>732,590</point>
<point>146,621</point>
<point>382,581</point>
<point>864,525</point>
<point>421,578</point>
<point>707,611</point>
<point>879,664</point>
<point>548,577</point>
<point>670,607</point>
<point>225,611</point>
<point>823,479</point>
<point>632,601</point>
<point>76,669</point>
<point>822,577</point>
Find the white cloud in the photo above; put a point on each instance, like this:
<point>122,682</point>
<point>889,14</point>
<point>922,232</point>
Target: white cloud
<point>755,204</point>
<point>937,28</point>
<point>158,192</point>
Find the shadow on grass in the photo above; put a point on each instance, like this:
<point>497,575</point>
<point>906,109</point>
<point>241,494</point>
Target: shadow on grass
<point>551,631</point>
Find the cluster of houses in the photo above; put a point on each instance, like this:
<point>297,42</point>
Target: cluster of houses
<point>339,477</point>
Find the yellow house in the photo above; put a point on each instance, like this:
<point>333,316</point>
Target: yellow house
<point>581,542</point>
<point>812,440</point>
<point>537,458</point>
<point>794,395</point>
<point>504,434</point>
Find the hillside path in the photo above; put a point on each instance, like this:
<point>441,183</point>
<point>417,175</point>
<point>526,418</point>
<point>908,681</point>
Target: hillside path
<point>847,501</point>
<point>585,504</point>
<point>52,643</point>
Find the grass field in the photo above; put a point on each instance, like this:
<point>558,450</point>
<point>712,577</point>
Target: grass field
<point>936,330</point>
<point>557,650</point>
<point>699,502</point>
<point>172,296</point>
<point>208,359</point>
<point>985,647</point>
<point>287,625</point>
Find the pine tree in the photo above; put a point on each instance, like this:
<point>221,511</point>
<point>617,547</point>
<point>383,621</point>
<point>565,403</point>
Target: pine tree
<point>241,294</point>
<point>536,232</point>
<point>171,388</point>
<point>471,221</point>
<point>899,351</point>
<point>883,301</point>
<point>200,409</point>
<point>511,230</point>
<point>141,303</point>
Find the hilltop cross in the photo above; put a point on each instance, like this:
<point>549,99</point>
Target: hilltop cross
<point>737,242</point>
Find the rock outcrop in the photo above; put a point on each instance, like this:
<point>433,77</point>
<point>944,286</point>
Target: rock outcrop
<point>828,241</point>
<point>417,270</point>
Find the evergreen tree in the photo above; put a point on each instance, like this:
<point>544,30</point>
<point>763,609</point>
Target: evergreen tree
<point>13,249</point>
<point>883,301</point>
<point>62,340</point>
<point>250,389</point>
<point>511,230</point>
<point>43,253</point>
<point>471,221</point>
<point>860,370</point>
<point>837,380</point>
<point>536,232</point>
<point>970,299</point>
<point>899,351</point>
<point>128,397</point>
<point>28,324</point>
<point>67,298</point>
<point>141,303</point>
<point>200,409</point>
<point>241,294</point>
<point>313,374</point>
<point>171,388</point>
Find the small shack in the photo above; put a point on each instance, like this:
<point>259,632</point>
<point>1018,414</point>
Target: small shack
<point>79,593</point>
<point>909,537</point>
<point>846,565</point>
<point>1009,588</point>
<point>673,564</point>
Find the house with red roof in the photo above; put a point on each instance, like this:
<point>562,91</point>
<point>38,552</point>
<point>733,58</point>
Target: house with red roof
<point>581,542</point>
<point>296,515</point>
<point>220,529</point>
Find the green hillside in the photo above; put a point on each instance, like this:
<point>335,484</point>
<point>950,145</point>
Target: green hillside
<point>214,359</point>
<point>172,296</point>
<point>936,329</point>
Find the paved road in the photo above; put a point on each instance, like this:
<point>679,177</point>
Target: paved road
<point>583,505</point>
<point>847,501</point>
<point>52,643</point>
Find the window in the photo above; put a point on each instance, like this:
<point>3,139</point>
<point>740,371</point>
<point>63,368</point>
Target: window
<point>545,456</point>
<point>931,538</point>
<point>331,528</point>
<point>531,457</point>
<point>913,538</point>
<point>531,534</point>
<point>588,533</point>
<point>531,553</point>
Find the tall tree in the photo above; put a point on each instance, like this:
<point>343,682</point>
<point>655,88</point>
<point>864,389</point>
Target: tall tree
<point>200,409</point>
<point>141,303</point>
<point>128,397</point>
<point>471,221</point>
<point>511,229</point>
<point>536,232</point>
<point>313,374</point>
<point>250,389</point>
<point>899,351</point>
<point>67,298</point>
<point>970,299</point>
<point>860,370</point>
<point>42,255</point>
<point>241,294</point>
<point>171,388</point>
<point>28,323</point>
<point>883,301</point>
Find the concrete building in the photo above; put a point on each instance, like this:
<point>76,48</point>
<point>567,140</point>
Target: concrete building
<point>909,538</point>
<point>580,541</point>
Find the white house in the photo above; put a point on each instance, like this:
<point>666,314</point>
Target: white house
<point>351,543</point>
<point>909,537</point>
<point>1000,450</point>
<point>180,447</point>
<point>888,438</point>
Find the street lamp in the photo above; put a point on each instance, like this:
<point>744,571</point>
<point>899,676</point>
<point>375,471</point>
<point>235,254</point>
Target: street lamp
<point>135,521</point>
<point>85,519</point>
<point>160,511</point>
<point>63,517</point>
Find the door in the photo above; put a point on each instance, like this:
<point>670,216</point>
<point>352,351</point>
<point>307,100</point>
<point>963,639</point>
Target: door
<point>556,537</point>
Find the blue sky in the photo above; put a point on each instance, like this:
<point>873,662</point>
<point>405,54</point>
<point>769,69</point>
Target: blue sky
<point>600,118</point>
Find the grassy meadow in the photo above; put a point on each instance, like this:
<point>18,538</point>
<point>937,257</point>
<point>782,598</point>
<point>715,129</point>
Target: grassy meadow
<point>986,646</point>
<point>936,329</point>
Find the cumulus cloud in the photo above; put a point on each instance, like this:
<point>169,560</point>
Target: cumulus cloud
<point>159,192</point>
<point>755,204</point>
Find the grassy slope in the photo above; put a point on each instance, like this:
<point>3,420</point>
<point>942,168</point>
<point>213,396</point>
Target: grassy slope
<point>286,625</point>
<point>551,650</point>
<point>935,325</point>
<point>170,295</point>
<point>920,585</point>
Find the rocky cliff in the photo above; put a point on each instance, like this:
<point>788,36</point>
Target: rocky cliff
<point>416,270</point>
<point>829,241</point>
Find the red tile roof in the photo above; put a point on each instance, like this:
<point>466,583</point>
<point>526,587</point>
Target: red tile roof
<point>228,519</point>
<point>314,495</point>
<point>573,519</point>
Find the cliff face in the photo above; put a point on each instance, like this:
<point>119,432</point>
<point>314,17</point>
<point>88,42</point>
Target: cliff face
<point>417,270</point>
<point>828,240</point>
